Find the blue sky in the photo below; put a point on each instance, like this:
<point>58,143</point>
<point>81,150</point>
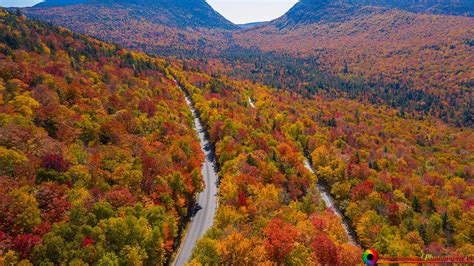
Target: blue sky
<point>237,11</point>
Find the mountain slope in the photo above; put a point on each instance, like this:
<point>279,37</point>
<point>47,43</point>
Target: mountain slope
<point>307,11</point>
<point>50,3</point>
<point>397,180</point>
<point>98,157</point>
<point>181,13</point>
<point>155,26</point>
<point>426,58</point>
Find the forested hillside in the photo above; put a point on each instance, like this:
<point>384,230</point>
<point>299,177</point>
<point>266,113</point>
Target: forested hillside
<point>317,8</point>
<point>182,13</point>
<point>156,26</point>
<point>98,159</point>
<point>410,55</point>
<point>404,185</point>
<point>269,208</point>
<point>99,163</point>
<point>419,63</point>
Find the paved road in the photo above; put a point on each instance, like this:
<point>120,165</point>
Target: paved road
<point>252,104</point>
<point>207,199</point>
<point>330,203</point>
<point>324,195</point>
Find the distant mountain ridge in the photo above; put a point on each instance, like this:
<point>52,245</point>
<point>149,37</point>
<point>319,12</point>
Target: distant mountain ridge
<point>429,56</point>
<point>168,27</point>
<point>180,13</point>
<point>310,11</point>
<point>50,3</point>
<point>251,24</point>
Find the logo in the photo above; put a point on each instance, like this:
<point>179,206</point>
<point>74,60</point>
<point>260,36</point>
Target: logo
<point>370,257</point>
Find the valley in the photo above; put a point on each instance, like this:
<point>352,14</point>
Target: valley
<point>334,133</point>
<point>412,57</point>
<point>140,132</point>
<point>207,199</point>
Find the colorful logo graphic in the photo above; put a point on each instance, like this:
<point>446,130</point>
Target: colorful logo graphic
<point>370,257</point>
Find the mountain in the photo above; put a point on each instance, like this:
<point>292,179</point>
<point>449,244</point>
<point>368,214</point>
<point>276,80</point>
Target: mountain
<point>250,25</point>
<point>164,26</point>
<point>308,11</point>
<point>99,162</point>
<point>182,13</point>
<point>50,3</point>
<point>444,7</point>
<point>421,62</point>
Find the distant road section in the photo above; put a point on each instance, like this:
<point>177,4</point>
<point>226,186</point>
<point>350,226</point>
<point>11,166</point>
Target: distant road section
<point>324,194</point>
<point>330,203</point>
<point>252,104</point>
<point>207,199</point>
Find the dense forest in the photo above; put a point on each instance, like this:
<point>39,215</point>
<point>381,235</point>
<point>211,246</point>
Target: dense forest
<point>421,64</point>
<point>392,53</point>
<point>99,162</point>
<point>307,76</point>
<point>269,208</point>
<point>98,159</point>
<point>405,185</point>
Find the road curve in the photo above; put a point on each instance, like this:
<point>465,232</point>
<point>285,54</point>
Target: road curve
<point>207,199</point>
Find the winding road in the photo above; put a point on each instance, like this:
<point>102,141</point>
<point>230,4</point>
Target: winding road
<point>207,199</point>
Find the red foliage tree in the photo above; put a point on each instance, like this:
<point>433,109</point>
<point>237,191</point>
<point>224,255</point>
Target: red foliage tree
<point>325,250</point>
<point>24,244</point>
<point>87,241</point>
<point>393,213</point>
<point>361,190</point>
<point>281,238</point>
<point>242,198</point>
<point>120,197</point>
<point>55,162</point>
<point>319,223</point>
<point>147,106</point>
<point>42,228</point>
<point>52,200</point>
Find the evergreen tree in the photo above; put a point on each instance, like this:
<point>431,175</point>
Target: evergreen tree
<point>416,204</point>
<point>431,206</point>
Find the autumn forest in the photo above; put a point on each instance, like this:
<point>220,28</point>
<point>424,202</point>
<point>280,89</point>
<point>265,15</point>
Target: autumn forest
<point>101,161</point>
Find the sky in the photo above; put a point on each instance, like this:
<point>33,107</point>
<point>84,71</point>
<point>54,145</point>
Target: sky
<point>237,11</point>
<point>245,11</point>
